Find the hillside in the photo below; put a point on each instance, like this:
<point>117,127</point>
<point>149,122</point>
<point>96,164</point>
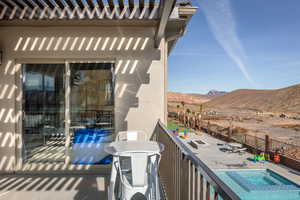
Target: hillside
<point>192,98</point>
<point>281,100</point>
<point>187,98</point>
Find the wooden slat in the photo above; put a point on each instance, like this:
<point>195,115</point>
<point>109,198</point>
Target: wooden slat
<point>29,3</point>
<point>50,4</point>
<point>101,4</point>
<point>121,4</point>
<point>44,9</point>
<point>131,4</point>
<point>25,9</point>
<point>17,3</point>
<point>151,4</point>
<point>91,4</point>
<point>3,11</point>
<point>111,4</point>
<point>60,3</point>
<point>8,4</point>
<point>142,4</point>
<point>39,3</point>
<point>80,4</point>
<point>14,9</point>
<point>70,3</point>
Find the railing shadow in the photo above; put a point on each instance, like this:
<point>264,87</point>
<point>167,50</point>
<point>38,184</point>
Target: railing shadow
<point>77,187</point>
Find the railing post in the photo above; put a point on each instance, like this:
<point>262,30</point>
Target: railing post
<point>267,144</point>
<point>185,178</point>
<point>178,173</point>
<point>201,187</point>
<point>192,181</point>
<point>216,196</point>
<point>197,181</point>
<point>207,190</point>
<point>189,182</point>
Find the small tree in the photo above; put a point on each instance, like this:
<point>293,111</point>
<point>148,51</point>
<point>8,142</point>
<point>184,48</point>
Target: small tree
<point>201,108</point>
<point>182,103</point>
<point>188,110</point>
<point>178,106</point>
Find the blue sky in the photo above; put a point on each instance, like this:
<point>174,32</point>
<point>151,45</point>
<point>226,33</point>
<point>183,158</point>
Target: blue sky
<point>238,44</point>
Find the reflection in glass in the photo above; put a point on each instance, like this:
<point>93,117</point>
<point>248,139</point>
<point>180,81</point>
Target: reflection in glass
<point>44,113</point>
<point>92,111</point>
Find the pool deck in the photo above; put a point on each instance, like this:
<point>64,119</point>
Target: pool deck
<point>211,155</point>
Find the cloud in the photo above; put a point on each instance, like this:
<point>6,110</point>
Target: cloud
<point>223,25</point>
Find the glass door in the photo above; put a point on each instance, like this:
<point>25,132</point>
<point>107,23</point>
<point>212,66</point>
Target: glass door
<point>68,112</point>
<point>92,112</point>
<point>43,113</point>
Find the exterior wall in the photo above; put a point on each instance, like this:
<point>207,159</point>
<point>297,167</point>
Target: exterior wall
<point>139,68</point>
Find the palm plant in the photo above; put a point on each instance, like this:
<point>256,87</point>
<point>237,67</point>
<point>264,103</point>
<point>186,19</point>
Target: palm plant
<point>178,106</point>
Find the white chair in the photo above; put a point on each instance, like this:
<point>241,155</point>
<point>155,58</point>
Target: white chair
<point>136,164</point>
<point>131,136</point>
<point>138,175</point>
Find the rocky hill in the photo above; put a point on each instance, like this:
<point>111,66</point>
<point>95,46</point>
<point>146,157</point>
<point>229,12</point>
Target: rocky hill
<point>187,98</point>
<point>215,93</point>
<point>281,100</point>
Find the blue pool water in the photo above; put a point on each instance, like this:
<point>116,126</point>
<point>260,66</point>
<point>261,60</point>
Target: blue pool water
<point>260,185</point>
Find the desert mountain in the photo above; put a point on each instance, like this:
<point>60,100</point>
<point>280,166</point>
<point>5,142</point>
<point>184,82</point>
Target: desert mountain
<point>215,93</point>
<point>187,98</point>
<point>281,100</point>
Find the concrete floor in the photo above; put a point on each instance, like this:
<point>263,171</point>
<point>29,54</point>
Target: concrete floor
<point>53,187</point>
<point>211,155</point>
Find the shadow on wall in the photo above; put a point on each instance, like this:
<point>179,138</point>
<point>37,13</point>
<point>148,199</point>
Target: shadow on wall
<point>75,187</point>
<point>134,57</point>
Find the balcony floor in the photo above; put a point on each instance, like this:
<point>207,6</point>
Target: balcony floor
<point>49,187</point>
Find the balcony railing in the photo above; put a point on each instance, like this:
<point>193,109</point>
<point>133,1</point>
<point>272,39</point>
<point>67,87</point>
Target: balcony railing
<point>183,175</point>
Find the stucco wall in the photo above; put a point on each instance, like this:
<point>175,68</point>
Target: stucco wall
<point>140,73</point>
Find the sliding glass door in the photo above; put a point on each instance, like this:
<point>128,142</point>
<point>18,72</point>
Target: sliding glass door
<point>92,111</point>
<point>43,113</point>
<point>68,112</point>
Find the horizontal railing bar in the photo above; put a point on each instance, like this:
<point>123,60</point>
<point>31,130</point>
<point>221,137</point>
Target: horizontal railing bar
<point>219,186</point>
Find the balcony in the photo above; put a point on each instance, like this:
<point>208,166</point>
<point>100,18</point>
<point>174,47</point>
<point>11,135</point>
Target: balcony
<point>182,176</point>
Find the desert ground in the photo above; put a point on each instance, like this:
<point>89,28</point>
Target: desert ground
<point>253,123</point>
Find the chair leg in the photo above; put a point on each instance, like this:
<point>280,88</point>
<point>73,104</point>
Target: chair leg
<point>113,177</point>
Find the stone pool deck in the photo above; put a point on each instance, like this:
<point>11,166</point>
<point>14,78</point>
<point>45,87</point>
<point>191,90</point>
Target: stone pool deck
<point>211,155</point>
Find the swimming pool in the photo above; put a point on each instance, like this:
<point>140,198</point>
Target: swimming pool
<point>260,185</point>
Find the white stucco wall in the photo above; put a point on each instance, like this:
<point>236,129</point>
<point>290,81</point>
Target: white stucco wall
<point>140,72</point>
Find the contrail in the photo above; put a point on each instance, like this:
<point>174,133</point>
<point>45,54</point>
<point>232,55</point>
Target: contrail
<point>222,24</point>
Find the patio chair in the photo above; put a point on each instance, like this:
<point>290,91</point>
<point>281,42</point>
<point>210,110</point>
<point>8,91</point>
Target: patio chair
<point>226,148</point>
<point>138,174</point>
<point>131,136</point>
<point>240,150</point>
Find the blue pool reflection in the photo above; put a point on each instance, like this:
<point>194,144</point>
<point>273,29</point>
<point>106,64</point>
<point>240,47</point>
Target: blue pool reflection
<point>88,146</point>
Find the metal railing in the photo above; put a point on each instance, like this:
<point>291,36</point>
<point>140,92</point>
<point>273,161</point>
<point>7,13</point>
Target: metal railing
<point>183,175</point>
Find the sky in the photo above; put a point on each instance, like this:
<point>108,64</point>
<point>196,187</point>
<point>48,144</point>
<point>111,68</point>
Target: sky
<point>238,44</point>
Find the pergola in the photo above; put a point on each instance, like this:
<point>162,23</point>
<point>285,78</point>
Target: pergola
<point>133,10</point>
